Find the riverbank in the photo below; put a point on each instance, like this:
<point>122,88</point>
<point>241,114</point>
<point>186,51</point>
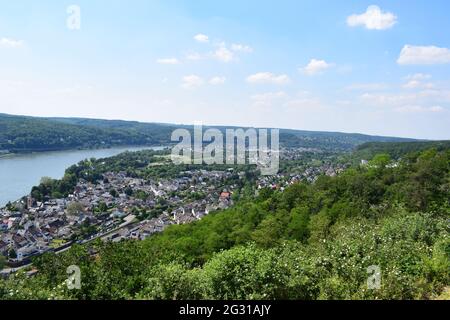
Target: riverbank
<point>6,155</point>
<point>21,172</point>
<point>10,153</point>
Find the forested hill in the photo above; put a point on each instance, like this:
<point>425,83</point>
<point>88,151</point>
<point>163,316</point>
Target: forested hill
<point>26,134</point>
<point>397,150</point>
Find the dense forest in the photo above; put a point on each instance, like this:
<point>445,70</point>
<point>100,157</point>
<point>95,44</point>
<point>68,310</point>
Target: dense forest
<point>29,134</point>
<point>396,150</point>
<point>32,134</point>
<point>310,241</point>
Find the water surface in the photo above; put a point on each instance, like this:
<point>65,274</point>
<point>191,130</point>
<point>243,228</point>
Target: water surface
<point>19,173</point>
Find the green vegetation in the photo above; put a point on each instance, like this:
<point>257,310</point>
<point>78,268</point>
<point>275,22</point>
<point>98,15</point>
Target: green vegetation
<point>134,164</point>
<point>311,241</point>
<point>92,170</point>
<point>32,134</point>
<point>2,262</point>
<point>330,141</point>
<point>74,209</point>
<point>397,149</point>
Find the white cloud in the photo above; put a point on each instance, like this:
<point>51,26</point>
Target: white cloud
<point>192,81</point>
<point>304,103</point>
<point>416,81</point>
<point>194,56</point>
<point>168,61</point>
<point>367,86</point>
<point>201,38</point>
<point>10,43</point>
<point>436,109</point>
<point>316,67</point>
<point>426,97</point>
<point>414,84</point>
<point>344,102</point>
<point>165,102</point>
<point>418,76</point>
<point>223,53</point>
<point>267,77</point>
<point>267,99</point>
<point>268,95</point>
<point>302,100</point>
<point>373,19</point>
<point>414,109</point>
<point>380,99</point>
<point>423,55</point>
<point>241,48</point>
<point>217,80</point>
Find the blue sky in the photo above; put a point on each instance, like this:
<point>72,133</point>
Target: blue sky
<point>376,67</point>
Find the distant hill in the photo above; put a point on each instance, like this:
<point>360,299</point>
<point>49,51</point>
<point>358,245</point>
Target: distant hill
<point>337,141</point>
<point>34,134</point>
<point>25,134</point>
<point>397,149</point>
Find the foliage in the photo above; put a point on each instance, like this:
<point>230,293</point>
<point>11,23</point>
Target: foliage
<point>75,208</point>
<point>397,150</point>
<point>2,262</point>
<point>32,134</point>
<point>310,241</point>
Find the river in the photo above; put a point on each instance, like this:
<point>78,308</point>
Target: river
<point>19,173</point>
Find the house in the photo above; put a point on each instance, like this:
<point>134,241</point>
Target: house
<point>57,223</point>
<point>117,214</point>
<point>19,240</point>
<point>225,196</point>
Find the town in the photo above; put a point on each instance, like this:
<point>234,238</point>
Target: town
<point>120,207</point>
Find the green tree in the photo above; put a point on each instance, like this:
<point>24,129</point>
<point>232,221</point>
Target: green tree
<point>46,181</point>
<point>75,208</point>
<point>12,254</point>
<point>298,226</point>
<point>380,160</point>
<point>114,193</point>
<point>102,207</point>
<point>2,262</point>
<point>268,233</point>
<point>319,226</point>
<point>128,191</point>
